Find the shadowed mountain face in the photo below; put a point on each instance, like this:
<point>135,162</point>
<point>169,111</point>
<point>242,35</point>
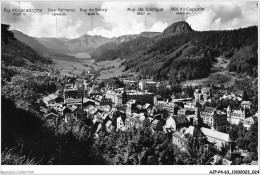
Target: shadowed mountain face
<point>48,47</point>
<point>32,42</point>
<point>16,53</point>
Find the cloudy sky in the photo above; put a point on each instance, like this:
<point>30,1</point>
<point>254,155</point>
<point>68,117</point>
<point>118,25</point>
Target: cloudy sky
<point>118,21</point>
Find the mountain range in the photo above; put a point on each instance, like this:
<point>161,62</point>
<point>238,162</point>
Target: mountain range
<point>63,46</point>
<point>179,53</point>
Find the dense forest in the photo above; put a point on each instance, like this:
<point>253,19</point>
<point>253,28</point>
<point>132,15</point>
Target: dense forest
<point>181,48</point>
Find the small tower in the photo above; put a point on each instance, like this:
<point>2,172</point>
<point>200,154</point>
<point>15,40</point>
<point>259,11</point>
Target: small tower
<point>229,113</point>
<point>198,120</point>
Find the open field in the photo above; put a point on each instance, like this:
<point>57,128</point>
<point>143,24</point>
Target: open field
<point>219,75</point>
<point>107,69</point>
<point>69,68</point>
<point>112,69</point>
<point>81,55</point>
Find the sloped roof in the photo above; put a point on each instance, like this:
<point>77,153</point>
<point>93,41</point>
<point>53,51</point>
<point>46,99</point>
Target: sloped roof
<point>99,127</point>
<point>193,131</point>
<point>246,103</point>
<point>53,96</point>
<point>47,99</point>
<point>108,123</point>
<point>170,122</point>
<point>226,162</point>
<point>66,110</point>
<point>51,115</point>
<point>50,97</point>
<point>104,116</point>
<point>216,134</point>
<point>208,109</point>
<point>145,106</point>
<point>43,109</point>
<point>155,122</point>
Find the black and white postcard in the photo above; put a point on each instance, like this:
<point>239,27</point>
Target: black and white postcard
<point>95,83</point>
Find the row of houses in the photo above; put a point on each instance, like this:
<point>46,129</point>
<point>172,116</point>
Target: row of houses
<point>120,96</point>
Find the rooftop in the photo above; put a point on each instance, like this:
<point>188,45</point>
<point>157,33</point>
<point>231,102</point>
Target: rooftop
<point>67,90</point>
<point>216,134</point>
<point>246,103</point>
<point>193,131</point>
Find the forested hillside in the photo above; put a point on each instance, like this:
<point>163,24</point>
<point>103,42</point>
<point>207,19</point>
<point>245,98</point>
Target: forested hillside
<point>181,53</point>
<point>114,50</point>
<point>16,53</point>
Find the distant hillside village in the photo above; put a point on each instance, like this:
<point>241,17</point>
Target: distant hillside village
<point>191,113</point>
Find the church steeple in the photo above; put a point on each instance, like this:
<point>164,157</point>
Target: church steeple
<point>198,120</point>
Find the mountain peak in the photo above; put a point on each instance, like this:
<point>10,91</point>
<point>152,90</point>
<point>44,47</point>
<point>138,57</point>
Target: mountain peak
<point>177,28</point>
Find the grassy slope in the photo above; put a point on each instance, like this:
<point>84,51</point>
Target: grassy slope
<point>218,75</point>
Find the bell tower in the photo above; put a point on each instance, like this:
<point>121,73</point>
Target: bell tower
<point>198,120</point>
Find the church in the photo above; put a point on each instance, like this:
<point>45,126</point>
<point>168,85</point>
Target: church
<point>200,129</point>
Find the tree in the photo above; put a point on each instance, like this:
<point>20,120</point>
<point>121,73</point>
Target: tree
<point>21,87</point>
<point>233,132</point>
<point>101,84</point>
<point>252,137</point>
<point>238,161</point>
<point>244,96</point>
